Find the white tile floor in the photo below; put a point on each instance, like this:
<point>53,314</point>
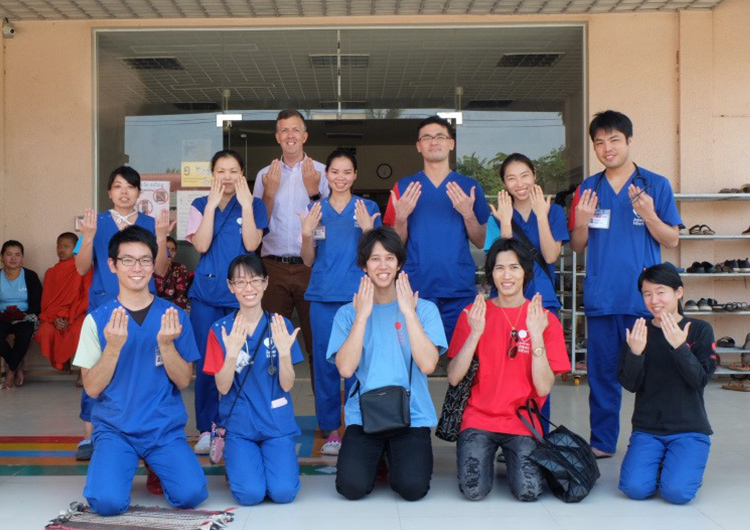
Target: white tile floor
<point>39,409</point>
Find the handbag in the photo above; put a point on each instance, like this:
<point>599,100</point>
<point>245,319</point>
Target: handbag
<point>454,405</point>
<point>536,254</point>
<point>386,408</point>
<point>218,434</point>
<point>567,462</point>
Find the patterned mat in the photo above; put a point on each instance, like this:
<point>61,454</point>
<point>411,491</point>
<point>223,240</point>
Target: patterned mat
<point>80,517</point>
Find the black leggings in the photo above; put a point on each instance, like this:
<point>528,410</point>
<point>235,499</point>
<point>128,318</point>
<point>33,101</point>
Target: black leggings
<point>23,331</point>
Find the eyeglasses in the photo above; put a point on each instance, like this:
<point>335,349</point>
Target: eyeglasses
<point>513,350</point>
<point>130,261</point>
<point>257,283</point>
<point>427,139</point>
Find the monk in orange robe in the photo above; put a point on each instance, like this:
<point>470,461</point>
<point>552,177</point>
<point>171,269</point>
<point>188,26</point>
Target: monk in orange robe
<point>64,303</point>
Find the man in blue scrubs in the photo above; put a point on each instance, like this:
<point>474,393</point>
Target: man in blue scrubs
<point>622,216</point>
<point>136,353</point>
<point>437,212</point>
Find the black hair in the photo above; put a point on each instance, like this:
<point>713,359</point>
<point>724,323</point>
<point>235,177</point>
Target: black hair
<point>510,245</point>
<point>250,263</point>
<point>130,175</point>
<point>664,274</point>
<point>132,234</point>
<point>516,157</point>
<point>11,243</point>
<point>611,120</point>
<point>171,239</point>
<point>341,153</point>
<point>290,113</point>
<point>228,153</point>
<point>68,235</point>
<point>386,236</point>
<point>439,121</point>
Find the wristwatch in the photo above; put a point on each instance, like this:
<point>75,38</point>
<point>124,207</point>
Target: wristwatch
<point>315,197</point>
<point>541,350</point>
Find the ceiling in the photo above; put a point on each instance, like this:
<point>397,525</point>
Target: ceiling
<point>155,9</point>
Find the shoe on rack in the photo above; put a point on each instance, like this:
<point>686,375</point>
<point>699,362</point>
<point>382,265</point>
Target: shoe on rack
<point>696,268</point>
<point>732,265</point>
<point>690,305</point>
<point>725,342</point>
<point>710,269</point>
<point>85,450</point>
<point>204,444</point>
<point>746,232</point>
<point>743,265</point>
<point>332,445</point>
<point>746,346</point>
<point>703,305</point>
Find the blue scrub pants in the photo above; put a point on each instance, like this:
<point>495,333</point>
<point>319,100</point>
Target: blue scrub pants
<point>87,405</point>
<point>680,458</point>
<point>450,309</point>
<point>325,374</point>
<point>115,461</point>
<point>202,316</point>
<point>259,469</point>
<point>606,336</point>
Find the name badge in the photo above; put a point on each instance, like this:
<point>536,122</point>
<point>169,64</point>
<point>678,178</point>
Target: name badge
<point>276,403</point>
<point>243,359</point>
<point>158,360</point>
<point>600,219</point>
<point>319,232</point>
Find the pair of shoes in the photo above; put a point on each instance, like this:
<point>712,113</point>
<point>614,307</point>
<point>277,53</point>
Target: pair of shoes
<point>703,305</point>
<point>332,445</point>
<point>204,444</point>
<point>743,265</point>
<point>701,230</point>
<point>153,484</point>
<point>699,267</point>
<point>691,305</point>
<point>85,450</point>
<point>725,342</point>
<point>730,190</point>
<point>737,386</point>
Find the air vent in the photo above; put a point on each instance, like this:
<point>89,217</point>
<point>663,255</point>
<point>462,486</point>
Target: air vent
<point>352,60</point>
<point>488,104</point>
<point>198,107</point>
<point>529,60</point>
<point>152,63</point>
<point>345,136</point>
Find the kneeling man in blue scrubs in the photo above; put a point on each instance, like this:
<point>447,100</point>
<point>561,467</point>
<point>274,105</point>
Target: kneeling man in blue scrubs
<point>136,354</point>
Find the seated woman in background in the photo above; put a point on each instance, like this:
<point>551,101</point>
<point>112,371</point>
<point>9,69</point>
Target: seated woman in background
<point>667,361</point>
<point>173,286</point>
<point>20,304</point>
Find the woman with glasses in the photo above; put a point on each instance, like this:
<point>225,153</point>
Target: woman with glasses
<point>520,348</point>
<point>228,222</point>
<point>251,356</point>
<point>330,233</point>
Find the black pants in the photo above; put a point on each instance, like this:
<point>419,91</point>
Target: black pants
<point>23,331</point>
<point>409,454</point>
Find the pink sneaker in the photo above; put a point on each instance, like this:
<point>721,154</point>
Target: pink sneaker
<point>332,445</point>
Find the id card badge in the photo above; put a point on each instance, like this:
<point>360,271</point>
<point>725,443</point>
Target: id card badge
<point>243,359</point>
<point>601,219</point>
<point>158,361</point>
<point>319,233</point>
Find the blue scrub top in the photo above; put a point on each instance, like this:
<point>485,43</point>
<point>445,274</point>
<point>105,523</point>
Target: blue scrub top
<point>335,275</point>
<point>104,285</point>
<point>386,355</point>
<point>263,409</point>
<point>615,257</point>
<point>541,283</point>
<point>438,258</point>
<point>210,281</point>
<point>141,402</point>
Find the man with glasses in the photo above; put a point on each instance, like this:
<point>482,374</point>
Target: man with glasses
<point>621,216</point>
<point>520,348</point>
<point>436,213</point>
<point>136,353</point>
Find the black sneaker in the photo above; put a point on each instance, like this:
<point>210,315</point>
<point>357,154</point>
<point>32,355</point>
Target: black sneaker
<point>710,269</point>
<point>690,305</point>
<point>703,305</point>
<point>731,264</point>
<point>696,268</point>
<point>743,265</point>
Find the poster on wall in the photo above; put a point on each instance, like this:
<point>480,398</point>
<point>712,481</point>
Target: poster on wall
<point>154,197</point>
<point>185,199</point>
<point>196,174</point>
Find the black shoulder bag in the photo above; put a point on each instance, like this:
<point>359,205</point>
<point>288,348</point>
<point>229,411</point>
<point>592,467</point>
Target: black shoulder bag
<point>520,235</point>
<point>386,408</point>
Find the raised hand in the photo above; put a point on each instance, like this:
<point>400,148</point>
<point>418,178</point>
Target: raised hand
<point>88,224</point>
<point>476,315</point>
<point>363,298</point>
<point>642,202</point>
<point>116,330</point>
<point>310,177</point>
<point>536,317</point>
<point>504,211</point>
<point>237,336</point>
<point>163,225</point>
<point>311,219</point>
<point>170,327</point>
<point>586,207</point>
<point>244,195</point>
<point>272,179</point>
<point>365,221</point>
<point>405,204</point>
<point>672,332</point>
<point>637,337</point>
<point>281,337</point>
<point>539,204</point>
<point>462,203</point>
<point>407,299</point>
<point>215,194</point>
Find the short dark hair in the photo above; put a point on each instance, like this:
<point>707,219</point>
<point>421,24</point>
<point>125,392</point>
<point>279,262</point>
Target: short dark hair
<point>228,153</point>
<point>516,157</point>
<point>510,245</point>
<point>68,235</point>
<point>290,113</point>
<point>130,175</point>
<point>171,239</point>
<point>12,243</point>
<point>439,121</point>
<point>386,236</point>
<point>611,120</point>
<point>664,274</point>
<point>341,153</point>
<point>132,234</point>
<point>250,263</point>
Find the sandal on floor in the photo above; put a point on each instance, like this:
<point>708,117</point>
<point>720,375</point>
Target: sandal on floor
<point>737,386</point>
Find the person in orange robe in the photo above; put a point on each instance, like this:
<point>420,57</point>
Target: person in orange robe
<point>64,303</point>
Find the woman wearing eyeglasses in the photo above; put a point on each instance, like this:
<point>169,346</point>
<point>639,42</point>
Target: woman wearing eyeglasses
<point>520,347</point>
<point>251,356</point>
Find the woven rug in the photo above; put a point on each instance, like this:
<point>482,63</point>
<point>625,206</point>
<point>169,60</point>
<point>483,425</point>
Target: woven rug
<point>80,517</point>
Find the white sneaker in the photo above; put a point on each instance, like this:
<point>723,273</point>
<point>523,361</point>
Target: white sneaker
<point>204,444</point>
<point>332,445</point>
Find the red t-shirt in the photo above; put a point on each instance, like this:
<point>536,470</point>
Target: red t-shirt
<point>503,384</point>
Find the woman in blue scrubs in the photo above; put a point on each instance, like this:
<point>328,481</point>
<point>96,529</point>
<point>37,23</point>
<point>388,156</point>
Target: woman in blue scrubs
<point>251,355</point>
<point>226,223</point>
<point>330,233</point>
<point>523,204</point>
